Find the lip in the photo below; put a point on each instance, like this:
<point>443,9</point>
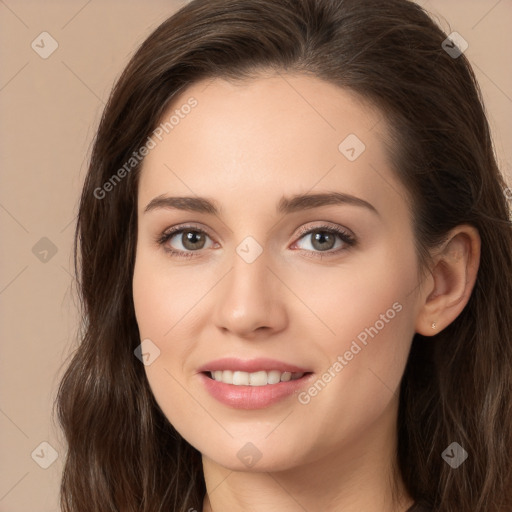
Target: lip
<point>250,366</point>
<point>253,397</point>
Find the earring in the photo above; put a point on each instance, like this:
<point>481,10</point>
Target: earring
<point>433,325</point>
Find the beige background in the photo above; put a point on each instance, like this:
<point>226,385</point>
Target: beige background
<point>49,109</point>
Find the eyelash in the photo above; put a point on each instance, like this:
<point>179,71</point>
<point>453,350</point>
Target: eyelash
<point>346,238</point>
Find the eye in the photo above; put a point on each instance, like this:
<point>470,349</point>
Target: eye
<point>192,239</point>
<point>322,239</point>
<point>189,239</point>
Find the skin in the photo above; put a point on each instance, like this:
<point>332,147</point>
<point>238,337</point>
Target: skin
<point>245,145</point>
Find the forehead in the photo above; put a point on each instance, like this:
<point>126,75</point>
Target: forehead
<point>267,136</point>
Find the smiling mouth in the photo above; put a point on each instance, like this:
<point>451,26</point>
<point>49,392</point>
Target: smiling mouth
<point>259,378</point>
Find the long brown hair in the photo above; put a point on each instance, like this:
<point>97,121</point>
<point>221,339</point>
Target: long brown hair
<point>123,455</point>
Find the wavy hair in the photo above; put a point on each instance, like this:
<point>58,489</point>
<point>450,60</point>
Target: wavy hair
<point>123,454</point>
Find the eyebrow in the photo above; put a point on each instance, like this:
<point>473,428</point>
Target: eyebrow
<point>285,205</point>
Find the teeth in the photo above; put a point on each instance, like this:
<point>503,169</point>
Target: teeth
<point>261,378</point>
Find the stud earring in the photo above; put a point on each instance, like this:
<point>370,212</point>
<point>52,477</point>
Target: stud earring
<point>433,325</point>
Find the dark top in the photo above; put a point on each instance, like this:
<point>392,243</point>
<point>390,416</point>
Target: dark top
<point>420,507</point>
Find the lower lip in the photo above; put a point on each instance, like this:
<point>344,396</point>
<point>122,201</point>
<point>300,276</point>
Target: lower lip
<point>253,397</point>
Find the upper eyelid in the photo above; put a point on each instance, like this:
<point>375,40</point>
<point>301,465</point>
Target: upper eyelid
<point>325,225</point>
<point>190,227</point>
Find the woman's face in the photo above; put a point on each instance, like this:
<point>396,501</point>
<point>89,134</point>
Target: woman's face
<point>267,276</point>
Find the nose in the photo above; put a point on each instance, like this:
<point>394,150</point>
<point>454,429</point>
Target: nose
<point>251,299</point>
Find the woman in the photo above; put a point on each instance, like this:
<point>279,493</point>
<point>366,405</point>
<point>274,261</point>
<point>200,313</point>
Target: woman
<point>226,363</point>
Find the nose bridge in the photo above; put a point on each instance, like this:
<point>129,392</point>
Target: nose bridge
<point>248,282</point>
<point>250,296</point>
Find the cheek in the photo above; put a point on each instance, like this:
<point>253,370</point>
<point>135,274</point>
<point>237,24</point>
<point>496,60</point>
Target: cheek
<point>169,304</point>
<point>371,292</point>
<point>369,311</point>
<point>163,311</point>
<point>165,295</point>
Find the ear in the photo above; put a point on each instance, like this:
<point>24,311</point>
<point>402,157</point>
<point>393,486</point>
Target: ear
<point>451,282</point>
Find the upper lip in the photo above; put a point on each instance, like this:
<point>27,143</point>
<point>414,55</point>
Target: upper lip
<point>251,365</point>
